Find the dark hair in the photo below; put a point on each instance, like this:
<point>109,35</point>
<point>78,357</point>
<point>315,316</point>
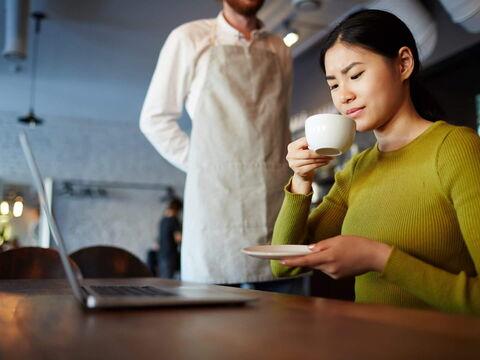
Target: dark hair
<point>383,33</point>
<point>175,204</point>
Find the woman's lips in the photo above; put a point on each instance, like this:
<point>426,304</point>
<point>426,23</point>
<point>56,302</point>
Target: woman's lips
<point>355,112</point>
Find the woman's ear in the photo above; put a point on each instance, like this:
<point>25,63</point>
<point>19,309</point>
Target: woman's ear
<point>406,61</point>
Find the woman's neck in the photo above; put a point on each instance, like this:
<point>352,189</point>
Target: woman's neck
<point>244,24</point>
<point>401,129</point>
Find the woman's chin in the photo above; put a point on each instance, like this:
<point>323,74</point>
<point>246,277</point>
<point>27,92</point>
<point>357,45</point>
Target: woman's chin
<point>362,126</point>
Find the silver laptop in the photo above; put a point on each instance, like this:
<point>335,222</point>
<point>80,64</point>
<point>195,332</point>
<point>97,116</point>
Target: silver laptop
<point>114,296</point>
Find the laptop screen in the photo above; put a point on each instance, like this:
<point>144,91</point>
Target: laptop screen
<point>38,182</point>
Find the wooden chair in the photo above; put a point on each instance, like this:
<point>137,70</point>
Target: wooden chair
<point>32,263</point>
<point>109,262</point>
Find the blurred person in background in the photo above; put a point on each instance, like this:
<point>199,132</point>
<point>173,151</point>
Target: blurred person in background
<point>169,239</point>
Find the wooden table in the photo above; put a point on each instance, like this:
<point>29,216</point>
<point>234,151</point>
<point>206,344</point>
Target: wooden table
<point>40,319</point>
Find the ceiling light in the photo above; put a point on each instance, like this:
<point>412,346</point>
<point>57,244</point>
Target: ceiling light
<point>17,208</point>
<point>16,27</point>
<point>4,208</point>
<point>291,38</point>
<point>30,118</point>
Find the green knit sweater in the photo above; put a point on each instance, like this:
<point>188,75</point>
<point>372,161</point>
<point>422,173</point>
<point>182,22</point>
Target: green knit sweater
<point>422,199</point>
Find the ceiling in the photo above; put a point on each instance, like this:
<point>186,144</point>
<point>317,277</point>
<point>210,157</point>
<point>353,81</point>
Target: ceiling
<point>96,57</point>
<point>309,24</point>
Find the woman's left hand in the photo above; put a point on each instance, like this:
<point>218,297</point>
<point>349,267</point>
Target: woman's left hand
<point>343,256</point>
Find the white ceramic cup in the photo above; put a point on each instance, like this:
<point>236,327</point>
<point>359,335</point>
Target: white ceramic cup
<point>329,134</point>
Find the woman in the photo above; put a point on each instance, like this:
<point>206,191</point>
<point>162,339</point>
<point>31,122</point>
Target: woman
<point>402,215</point>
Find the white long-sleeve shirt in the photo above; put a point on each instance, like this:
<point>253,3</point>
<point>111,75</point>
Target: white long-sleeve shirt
<point>180,75</point>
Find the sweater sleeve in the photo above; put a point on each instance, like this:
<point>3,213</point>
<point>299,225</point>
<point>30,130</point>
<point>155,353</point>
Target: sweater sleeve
<point>296,225</point>
<point>458,169</point>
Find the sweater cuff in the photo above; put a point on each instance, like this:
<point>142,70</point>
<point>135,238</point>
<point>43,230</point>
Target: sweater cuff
<point>398,261</point>
<point>296,199</point>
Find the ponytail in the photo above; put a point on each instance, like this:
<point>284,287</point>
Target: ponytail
<point>423,101</point>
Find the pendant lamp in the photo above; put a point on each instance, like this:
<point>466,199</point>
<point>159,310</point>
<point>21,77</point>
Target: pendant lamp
<point>31,119</point>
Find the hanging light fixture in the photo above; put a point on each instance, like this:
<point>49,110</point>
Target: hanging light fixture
<point>31,119</point>
<point>291,36</point>
<point>16,27</point>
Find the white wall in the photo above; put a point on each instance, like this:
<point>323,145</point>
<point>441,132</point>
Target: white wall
<point>95,151</point>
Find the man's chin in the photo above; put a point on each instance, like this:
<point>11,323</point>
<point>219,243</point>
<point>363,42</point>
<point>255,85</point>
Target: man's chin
<point>245,8</point>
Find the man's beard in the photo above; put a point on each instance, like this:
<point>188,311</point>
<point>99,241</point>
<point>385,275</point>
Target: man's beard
<point>245,8</point>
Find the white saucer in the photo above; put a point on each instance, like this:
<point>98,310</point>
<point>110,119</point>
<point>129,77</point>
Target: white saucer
<point>275,252</point>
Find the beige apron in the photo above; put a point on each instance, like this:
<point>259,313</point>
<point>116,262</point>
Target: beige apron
<point>236,165</point>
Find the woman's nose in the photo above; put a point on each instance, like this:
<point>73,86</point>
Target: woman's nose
<point>346,96</point>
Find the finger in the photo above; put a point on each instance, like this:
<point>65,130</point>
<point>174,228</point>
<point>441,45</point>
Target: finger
<point>307,154</point>
<point>308,168</point>
<point>319,246</point>
<point>312,260</point>
<point>299,148</point>
<point>300,143</point>
<point>314,154</point>
<point>304,162</point>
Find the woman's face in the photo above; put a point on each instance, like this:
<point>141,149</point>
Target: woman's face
<point>365,86</point>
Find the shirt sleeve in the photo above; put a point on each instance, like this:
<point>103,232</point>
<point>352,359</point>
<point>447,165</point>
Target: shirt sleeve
<point>297,225</point>
<point>458,169</point>
<point>165,97</point>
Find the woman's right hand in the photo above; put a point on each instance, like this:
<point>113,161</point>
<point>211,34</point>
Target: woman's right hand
<point>303,162</point>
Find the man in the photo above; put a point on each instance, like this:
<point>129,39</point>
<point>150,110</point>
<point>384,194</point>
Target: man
<point>235,80</point>
<point>169,238</point>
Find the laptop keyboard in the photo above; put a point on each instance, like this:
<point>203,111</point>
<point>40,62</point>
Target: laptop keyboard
<point>129,291</point>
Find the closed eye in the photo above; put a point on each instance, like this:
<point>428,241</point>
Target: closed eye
<point>357,76</point>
